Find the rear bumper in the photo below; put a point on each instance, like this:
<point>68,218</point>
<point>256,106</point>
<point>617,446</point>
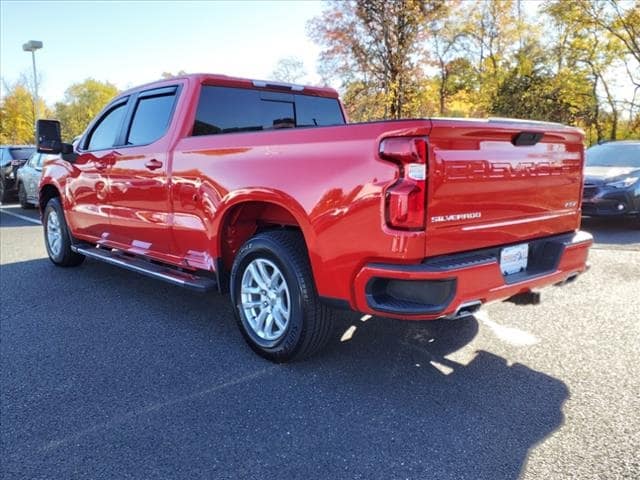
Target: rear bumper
<point>439,287</point>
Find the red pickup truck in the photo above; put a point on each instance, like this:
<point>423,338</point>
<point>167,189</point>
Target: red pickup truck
<point>263,190</point>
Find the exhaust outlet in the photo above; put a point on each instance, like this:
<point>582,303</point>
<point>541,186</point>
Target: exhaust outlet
<point>567,281</point>
<point>525,298</point>
<point>466,309</point>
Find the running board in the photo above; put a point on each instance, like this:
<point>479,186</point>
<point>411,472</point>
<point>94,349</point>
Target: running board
<point>153,270</point>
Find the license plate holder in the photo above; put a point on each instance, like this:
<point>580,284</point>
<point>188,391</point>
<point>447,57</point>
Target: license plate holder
<point>514,259</point>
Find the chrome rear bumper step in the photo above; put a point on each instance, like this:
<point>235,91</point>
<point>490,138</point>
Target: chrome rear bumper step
<point>145,267</point>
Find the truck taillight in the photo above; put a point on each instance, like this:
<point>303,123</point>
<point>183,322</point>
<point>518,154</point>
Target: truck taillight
<point>405,200</point>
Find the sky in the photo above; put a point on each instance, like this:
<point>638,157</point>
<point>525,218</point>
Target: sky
<point>130,43</point>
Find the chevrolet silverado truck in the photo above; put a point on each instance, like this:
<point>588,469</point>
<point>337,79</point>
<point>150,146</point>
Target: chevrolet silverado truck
<point>263,190</point>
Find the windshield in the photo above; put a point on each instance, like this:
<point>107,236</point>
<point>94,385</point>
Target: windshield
<point>614,155</point>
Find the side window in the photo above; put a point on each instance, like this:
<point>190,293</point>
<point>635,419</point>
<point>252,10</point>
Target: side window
<point>151,119</point>
<point>40,161</point>
<point>226,110</point>
<point>106,132</point>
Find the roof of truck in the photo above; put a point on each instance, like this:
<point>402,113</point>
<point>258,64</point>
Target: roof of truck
<point>227,81</point>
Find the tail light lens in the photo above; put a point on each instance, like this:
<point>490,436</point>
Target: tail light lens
<point>405,201</point>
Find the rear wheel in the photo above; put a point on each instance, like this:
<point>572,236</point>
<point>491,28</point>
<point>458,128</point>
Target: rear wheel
<point>22,197</point>
<point>276,304</point>
<point>57,237</point>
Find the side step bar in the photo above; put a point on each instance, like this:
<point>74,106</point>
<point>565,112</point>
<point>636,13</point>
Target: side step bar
<point>153,270</point>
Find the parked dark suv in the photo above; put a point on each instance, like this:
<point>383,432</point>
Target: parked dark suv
<point>612,180</point>
<point>12,157</point>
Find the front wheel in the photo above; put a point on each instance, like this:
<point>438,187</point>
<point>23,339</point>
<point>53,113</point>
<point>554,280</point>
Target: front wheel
<point>274,295</point>
<point>57,237</point>
<point>22,197</point>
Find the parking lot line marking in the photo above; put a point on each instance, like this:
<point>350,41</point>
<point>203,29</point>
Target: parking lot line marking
<point>511,335</point>
<point>157,406</point>
<point>21,217</point>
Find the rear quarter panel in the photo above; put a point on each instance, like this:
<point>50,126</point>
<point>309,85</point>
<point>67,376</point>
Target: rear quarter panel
<point>329,178</point>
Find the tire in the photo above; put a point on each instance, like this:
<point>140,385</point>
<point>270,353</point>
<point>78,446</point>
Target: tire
<point>282,256</point>
<point>55,228</point>
<point>4,193</point>
<point>22,197</point>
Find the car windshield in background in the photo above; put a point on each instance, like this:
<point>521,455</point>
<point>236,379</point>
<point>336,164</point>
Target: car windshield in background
<point>614,155</point>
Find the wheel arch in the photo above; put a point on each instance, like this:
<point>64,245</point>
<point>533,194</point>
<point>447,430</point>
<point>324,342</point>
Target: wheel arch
<point>46,193</point>
<point>245,215</point>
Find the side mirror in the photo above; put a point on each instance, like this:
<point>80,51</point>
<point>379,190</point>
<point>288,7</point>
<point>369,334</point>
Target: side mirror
<point>49,140</point>
<point>48,136</point>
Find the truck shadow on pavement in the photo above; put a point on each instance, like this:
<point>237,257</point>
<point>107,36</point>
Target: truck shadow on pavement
<point>130,377</point>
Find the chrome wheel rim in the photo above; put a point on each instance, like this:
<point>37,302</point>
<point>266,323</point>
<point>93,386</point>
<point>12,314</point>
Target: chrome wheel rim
<point>265,299</point>
<point>54,235</point>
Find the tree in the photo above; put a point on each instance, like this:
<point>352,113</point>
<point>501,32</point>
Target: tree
<point>375,43</point>
<point>621,20</point>
<point>290,70</point>
<point>490,33</point>
<point>168,75</point>
<point>17,122</point>
<point>82,102</point>
<point>588,46</point>
<point>443,38</point>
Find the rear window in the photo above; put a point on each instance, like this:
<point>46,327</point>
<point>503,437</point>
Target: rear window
<point>228,110</point>
<point>21,153</point>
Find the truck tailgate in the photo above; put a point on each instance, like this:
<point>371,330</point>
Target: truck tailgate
<point>486,190</point>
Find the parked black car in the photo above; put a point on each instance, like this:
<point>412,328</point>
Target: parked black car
<point>612,180</point>
<point>12,157</point>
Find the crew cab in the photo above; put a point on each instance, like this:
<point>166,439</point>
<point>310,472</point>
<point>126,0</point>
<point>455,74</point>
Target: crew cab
<point>263,190</point>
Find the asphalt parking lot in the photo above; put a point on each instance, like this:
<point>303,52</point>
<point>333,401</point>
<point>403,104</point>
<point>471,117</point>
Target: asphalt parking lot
<point>107,374</point>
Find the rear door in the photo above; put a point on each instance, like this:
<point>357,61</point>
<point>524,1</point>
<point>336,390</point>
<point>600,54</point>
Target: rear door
<point>501,182</point>
<point>139,204</point>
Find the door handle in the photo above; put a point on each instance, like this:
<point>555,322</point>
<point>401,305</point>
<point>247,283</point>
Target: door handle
<point>153,164</point>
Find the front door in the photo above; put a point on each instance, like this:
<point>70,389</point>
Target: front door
<point>87,188</point>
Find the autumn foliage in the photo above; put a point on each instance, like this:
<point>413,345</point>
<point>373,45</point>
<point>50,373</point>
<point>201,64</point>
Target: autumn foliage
<point>559,61</point>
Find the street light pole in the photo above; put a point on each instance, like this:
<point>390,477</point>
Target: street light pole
<point>32,46</point>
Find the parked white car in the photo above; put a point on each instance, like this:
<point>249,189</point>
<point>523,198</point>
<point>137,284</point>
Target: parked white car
<point>28,178</point>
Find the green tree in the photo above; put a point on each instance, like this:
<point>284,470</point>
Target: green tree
<point>490,35</point>
<point>82,102</point>
<point>587,46</point>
